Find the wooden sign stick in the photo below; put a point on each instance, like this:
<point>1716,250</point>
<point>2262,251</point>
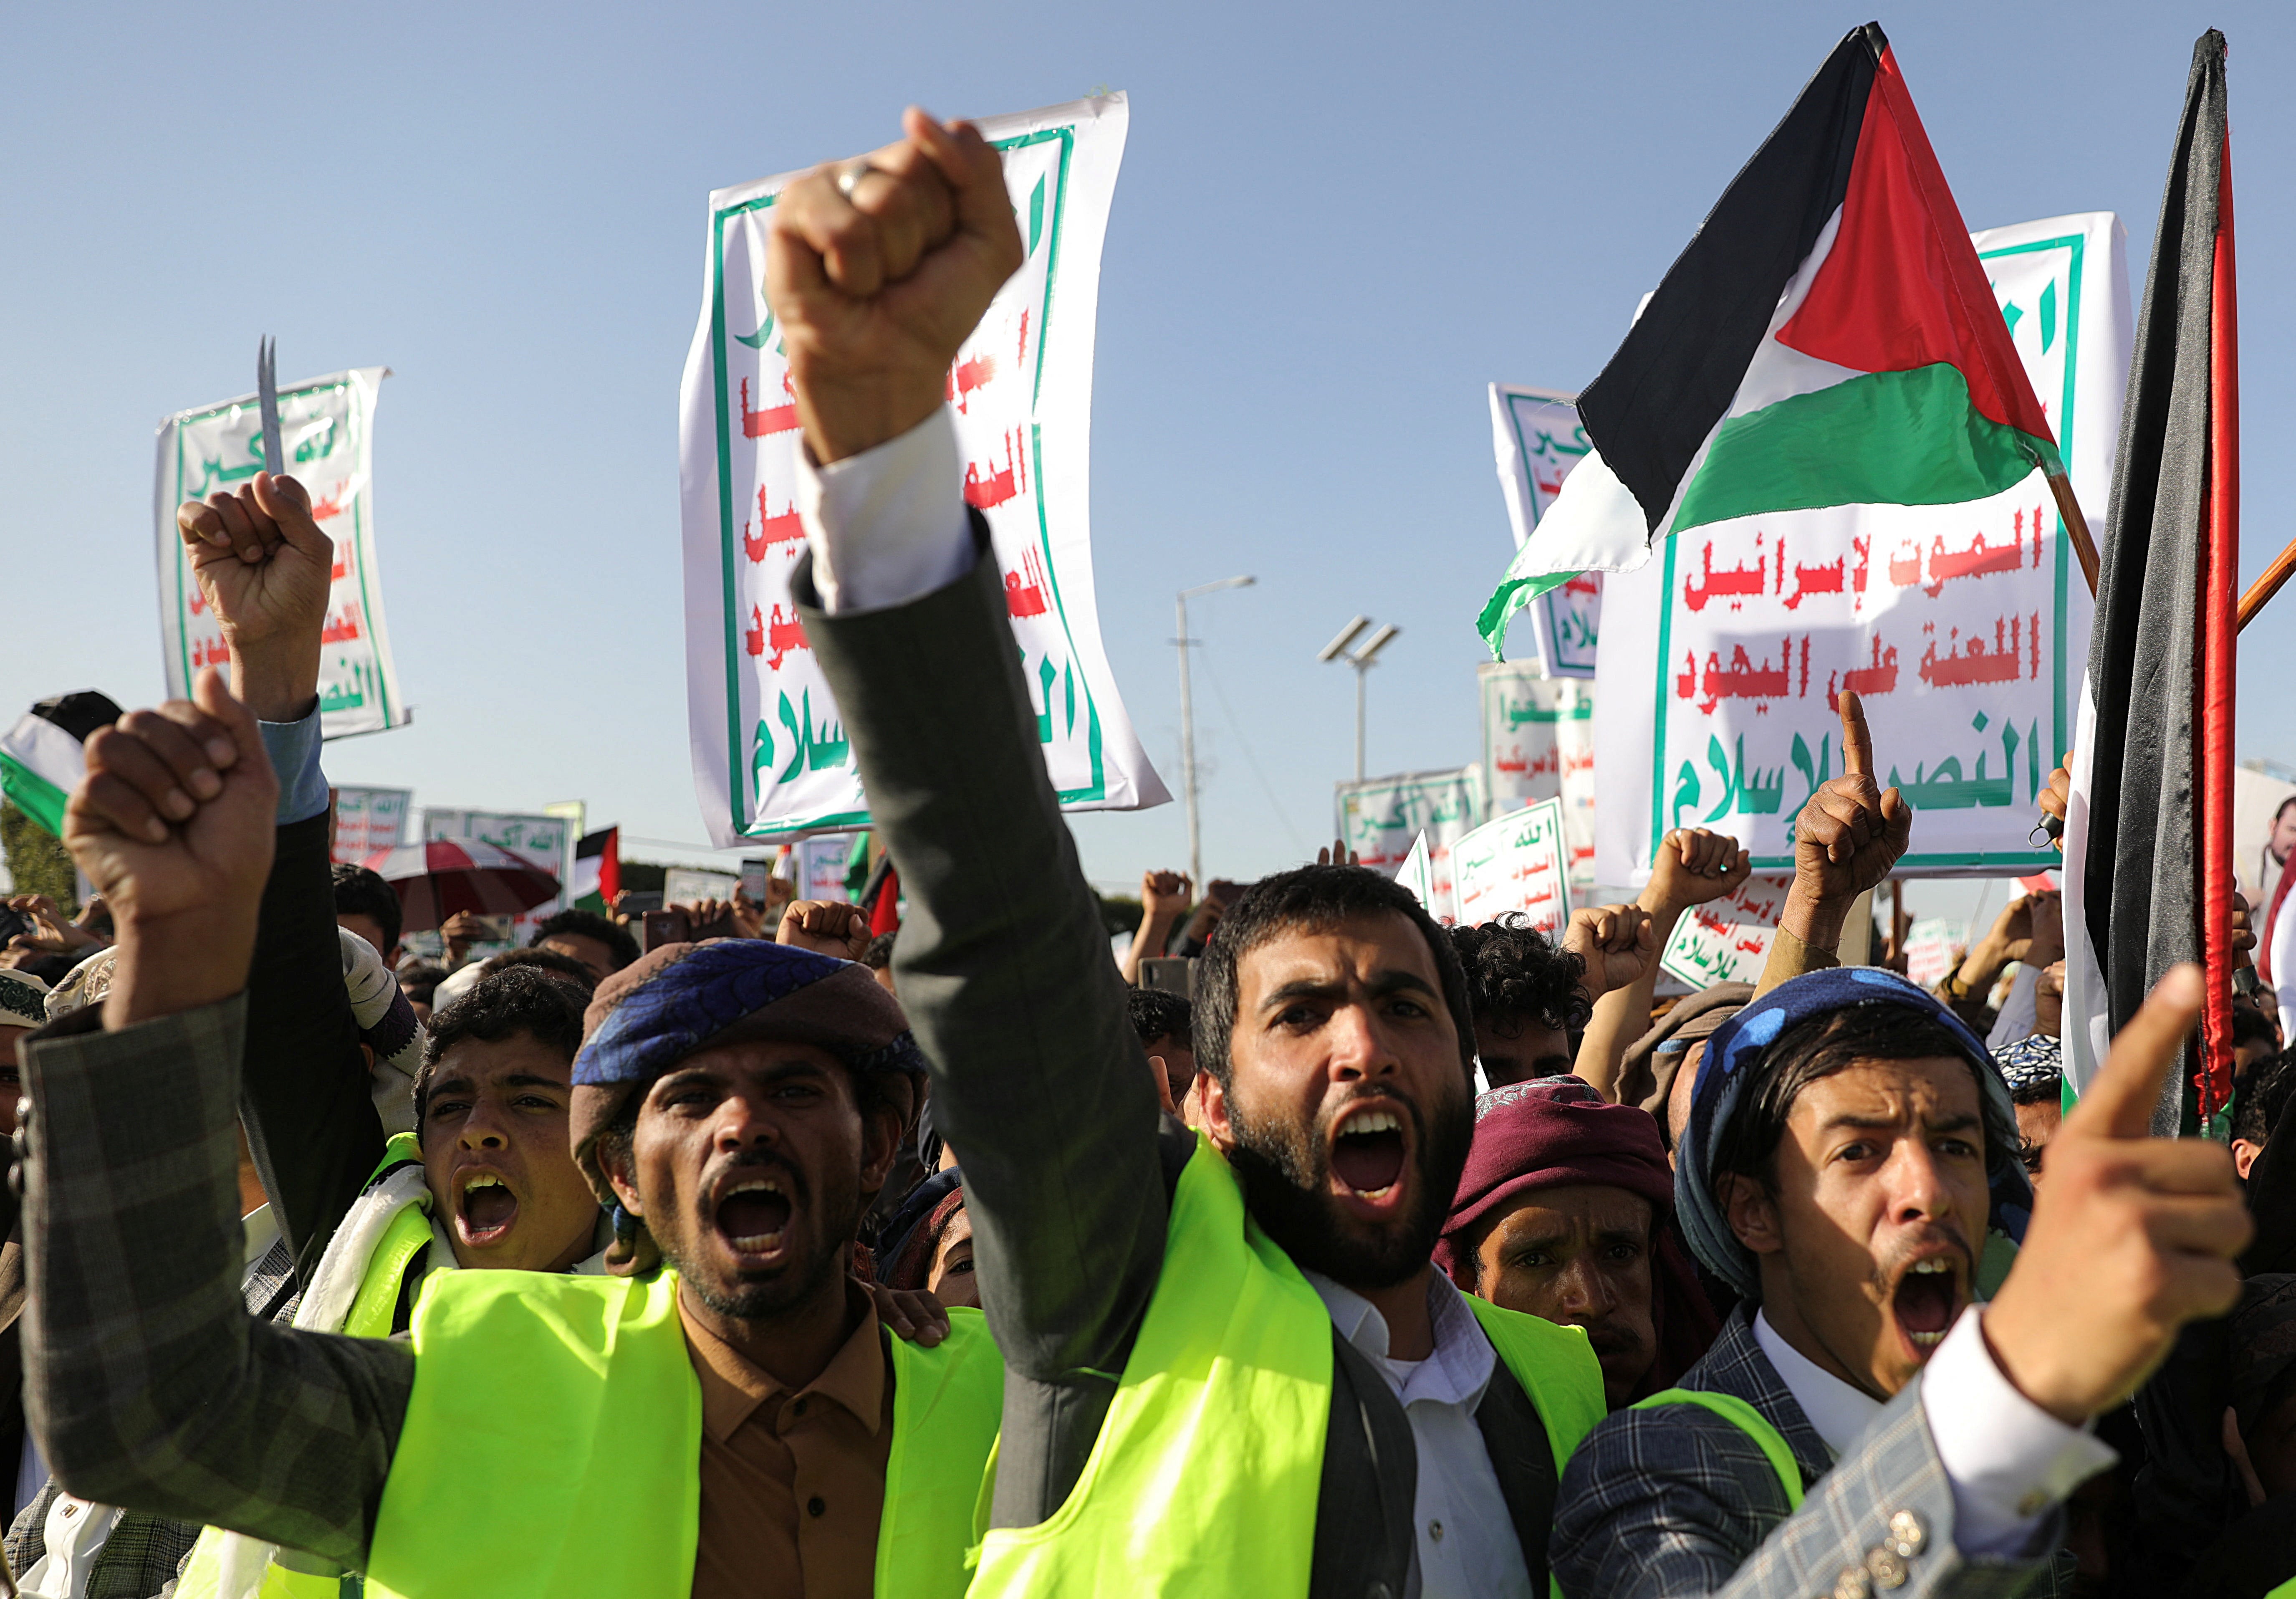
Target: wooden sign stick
<point>2077,525</point>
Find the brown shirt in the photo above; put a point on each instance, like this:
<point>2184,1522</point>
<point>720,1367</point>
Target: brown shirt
<point>792,1484</point>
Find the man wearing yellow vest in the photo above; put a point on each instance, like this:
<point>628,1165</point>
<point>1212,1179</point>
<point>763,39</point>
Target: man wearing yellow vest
<point>732,1422</point>
<point>1229,1368</point>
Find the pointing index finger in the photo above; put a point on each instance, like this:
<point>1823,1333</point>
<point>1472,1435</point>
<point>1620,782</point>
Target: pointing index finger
<point>1856,742</point>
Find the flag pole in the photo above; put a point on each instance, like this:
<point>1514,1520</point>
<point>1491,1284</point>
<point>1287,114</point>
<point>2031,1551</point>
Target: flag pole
<point>2077,525</point>
<point>2261,592</point>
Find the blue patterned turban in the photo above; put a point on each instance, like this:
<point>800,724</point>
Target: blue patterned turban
<point>1736,1055</point>
<point>681,999</point>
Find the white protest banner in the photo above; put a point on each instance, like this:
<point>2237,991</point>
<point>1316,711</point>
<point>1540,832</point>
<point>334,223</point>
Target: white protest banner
<point>369,820</point>
<point>326,430</point>
<point>1536,434</point>
<point>1962,629</point>
<point>540,839</point>
<point>1379,815</point>
<point>1515,863</point>
<point>1726,940</point>
<point>684,885</point>
<point>1932,948</point>
<point>1417,874</point>
<point>1538,743</point>
<point>770,758</point>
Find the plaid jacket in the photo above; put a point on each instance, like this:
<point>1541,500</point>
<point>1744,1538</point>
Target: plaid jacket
<point>1674,1502</point>
<point>143,1552</point>
<point>131,1231</point>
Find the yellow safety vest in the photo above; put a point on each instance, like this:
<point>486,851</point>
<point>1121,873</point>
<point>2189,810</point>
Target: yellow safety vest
<point>551,1443</point>
<point>1205,1475</point>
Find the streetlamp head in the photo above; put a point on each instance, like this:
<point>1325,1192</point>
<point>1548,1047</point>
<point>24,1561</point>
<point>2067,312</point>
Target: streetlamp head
<point>1330,652</point>
<point>1373,644</point>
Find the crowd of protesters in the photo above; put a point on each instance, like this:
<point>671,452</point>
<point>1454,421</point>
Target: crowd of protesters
<point>972,1260</point>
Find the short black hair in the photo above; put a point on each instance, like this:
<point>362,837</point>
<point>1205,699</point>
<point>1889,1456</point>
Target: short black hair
<point>2258,1109</point>
<point>1514,971</point>
<point>359,893</point>
<point>1159,1014</point>
<point>588,924</point>
<point>544,960</point>
<point>529,999</point>
<point>1311,898</point>
<point>1821,1047</point>
<point>2252,1026</point>
<point>420,979</point>
<point>879,954</point>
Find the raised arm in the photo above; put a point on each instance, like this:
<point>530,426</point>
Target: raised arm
<point>1692,866</point>
<point>147,1385</point>
<point>877,274</point>
<point>263,568</point>
<point>1846,840</point>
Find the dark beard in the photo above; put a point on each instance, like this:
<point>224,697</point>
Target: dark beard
<point>819,1267</point>
<point>1286,1173</point>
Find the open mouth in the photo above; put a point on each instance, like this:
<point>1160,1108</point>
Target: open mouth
<point>1368,1153</point>
<point>1927,1300</point>
<point>488,1210</point>
<point>753,1214</point>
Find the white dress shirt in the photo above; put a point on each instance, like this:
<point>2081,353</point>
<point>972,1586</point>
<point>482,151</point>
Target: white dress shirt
<point>1466,1543</point>
<point>2007,1460</point>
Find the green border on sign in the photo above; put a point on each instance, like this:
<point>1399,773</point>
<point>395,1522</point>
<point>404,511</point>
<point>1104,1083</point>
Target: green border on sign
<point>188,419</point>
<point>2002,860</point>
<point>739,775</point>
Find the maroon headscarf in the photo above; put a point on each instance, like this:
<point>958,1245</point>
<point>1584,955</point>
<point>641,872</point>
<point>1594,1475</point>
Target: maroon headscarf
<point>1557,1132</point>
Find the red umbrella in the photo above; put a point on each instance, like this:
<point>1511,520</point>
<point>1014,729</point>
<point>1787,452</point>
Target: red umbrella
<point>436,879</point>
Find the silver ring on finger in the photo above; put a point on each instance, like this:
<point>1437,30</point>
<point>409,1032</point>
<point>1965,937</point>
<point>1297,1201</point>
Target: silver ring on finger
<point>849,179</point>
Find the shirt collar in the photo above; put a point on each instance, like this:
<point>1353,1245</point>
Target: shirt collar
<point>1836,1412</point>
<point>1458,1372</point>
<point>733,1386</point>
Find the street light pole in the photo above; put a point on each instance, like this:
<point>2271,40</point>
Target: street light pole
<point>1360,658</point>
<point>1188,725</point>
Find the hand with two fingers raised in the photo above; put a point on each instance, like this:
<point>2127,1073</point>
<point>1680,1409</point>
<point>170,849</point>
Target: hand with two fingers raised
<point>2132,1237</point>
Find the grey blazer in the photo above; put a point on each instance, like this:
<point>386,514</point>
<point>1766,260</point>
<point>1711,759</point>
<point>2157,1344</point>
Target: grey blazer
<point>1676,1501</point>
<point>1042,1089</point>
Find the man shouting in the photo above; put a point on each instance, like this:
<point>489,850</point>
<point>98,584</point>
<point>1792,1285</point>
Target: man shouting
<point>1229,1368</point>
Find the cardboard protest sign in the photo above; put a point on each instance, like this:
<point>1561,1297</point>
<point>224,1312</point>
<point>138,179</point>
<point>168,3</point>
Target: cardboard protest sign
<point>1726,940</point>
<point>1516,863</point>
<point>1960,627</point>
<point>1379,816</point>
<point>543,841</point>
<point>1538,743</point>
<point>770,755</point>
<point>368,821</point>
<point>327,431</point>
<point>1933,945</point>
<point>1536,434</point>
<point>1417,874</point>
<point>686,885</point>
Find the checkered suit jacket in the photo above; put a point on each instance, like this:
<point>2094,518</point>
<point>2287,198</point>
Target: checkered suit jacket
<point>1674,1502</point>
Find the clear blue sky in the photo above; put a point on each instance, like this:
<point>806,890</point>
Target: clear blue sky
<point>1336,225</point>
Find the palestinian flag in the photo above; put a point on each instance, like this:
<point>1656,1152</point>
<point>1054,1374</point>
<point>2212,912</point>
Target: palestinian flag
<point>2148,834</point>
<point>40,759</point>
<point>1827,339</point>
<point>597,871</point>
